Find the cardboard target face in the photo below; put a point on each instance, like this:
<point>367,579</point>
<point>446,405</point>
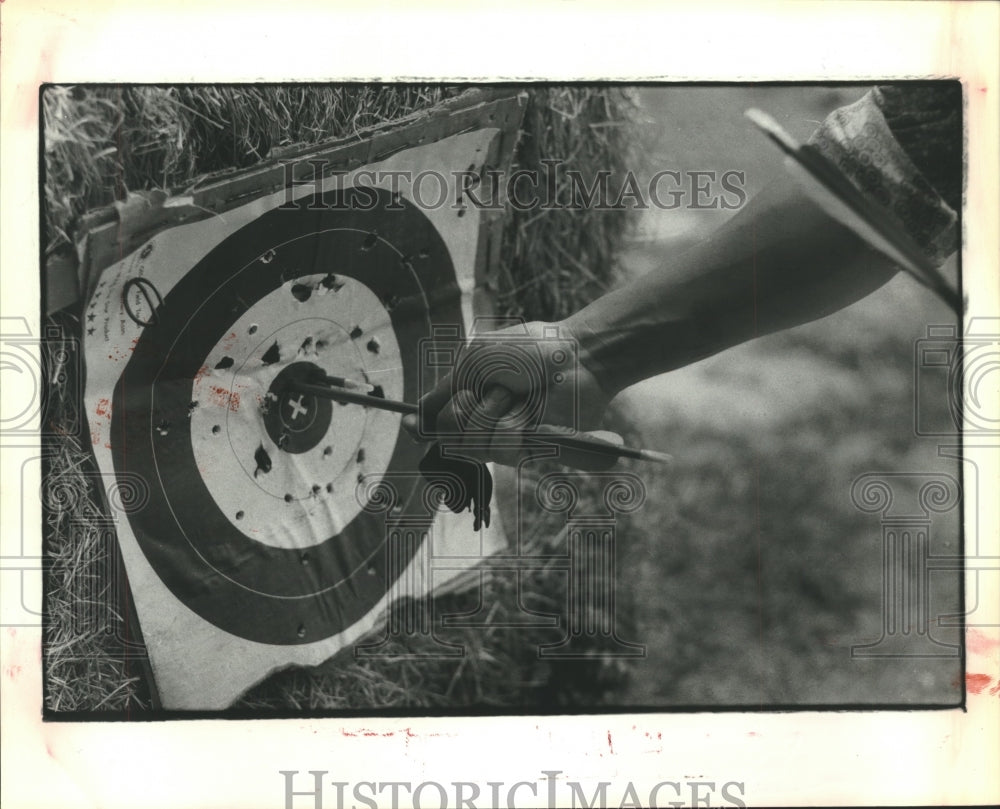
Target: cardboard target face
<point>250,546</point>
<point>255,482</point>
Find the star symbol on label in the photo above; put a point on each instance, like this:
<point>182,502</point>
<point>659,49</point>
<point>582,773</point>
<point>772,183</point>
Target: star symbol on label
<point>91,317</point>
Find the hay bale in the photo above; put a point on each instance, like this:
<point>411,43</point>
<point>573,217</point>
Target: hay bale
<point>103,142</point>
<point>558,260</point>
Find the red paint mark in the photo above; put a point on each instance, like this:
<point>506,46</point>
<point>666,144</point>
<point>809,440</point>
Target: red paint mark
<point>13,672</point>
<point>982,90</point>
<point>979,643</point>
<point>120,353</point>
<point>752,733</point>
<point>976,683</point>
<point>610,746</point>
<point>226,398</point>
<point>201,373</point>
<point>103,408</point>
<point>995,689</point>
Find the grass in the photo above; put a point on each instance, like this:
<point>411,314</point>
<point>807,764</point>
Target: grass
<point>102,142</point>
<point>757,573</point>
<point>88,664</point>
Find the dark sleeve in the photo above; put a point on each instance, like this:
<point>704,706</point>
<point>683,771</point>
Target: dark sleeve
<point>901,145</point>
<point>926,120</point>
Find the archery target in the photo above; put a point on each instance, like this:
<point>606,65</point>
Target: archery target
<point>252,546</point>
<point>336,278</point>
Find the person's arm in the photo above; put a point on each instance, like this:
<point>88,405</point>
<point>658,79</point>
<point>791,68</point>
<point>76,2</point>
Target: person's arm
<point>779,262</point>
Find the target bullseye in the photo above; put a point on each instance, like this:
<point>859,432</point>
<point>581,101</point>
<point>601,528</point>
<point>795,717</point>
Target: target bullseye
<point>296,422</point>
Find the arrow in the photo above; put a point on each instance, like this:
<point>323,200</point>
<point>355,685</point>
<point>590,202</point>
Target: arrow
<point>545,434</point>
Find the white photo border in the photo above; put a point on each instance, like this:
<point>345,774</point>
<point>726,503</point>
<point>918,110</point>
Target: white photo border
<point>877,757</point>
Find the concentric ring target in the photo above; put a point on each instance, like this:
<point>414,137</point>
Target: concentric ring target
<point>252,520</point>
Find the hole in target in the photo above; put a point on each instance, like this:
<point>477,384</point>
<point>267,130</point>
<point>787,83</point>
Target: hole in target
<point>272,355</point>
<point>331,282</point>
<point>262,459</point>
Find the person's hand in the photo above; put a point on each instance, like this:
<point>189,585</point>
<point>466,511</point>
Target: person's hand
<point>504,392</point>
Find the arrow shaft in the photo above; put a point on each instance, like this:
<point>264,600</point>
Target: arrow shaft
<point>546,435</point>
